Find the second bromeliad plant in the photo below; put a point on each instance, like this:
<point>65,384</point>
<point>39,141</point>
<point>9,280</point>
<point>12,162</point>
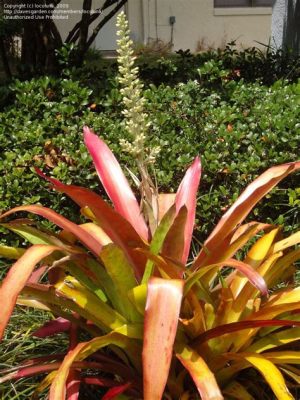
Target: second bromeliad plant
<point>168,331</point>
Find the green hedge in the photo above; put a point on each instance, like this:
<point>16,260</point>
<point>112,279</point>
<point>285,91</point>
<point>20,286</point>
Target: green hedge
<point>251,65</point>
<point>239,132</point>
<point>238,128</point>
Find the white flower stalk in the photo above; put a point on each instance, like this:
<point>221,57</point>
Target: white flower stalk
<point>136,120</point>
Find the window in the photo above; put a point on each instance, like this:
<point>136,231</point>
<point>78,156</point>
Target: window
<point>243,3</point>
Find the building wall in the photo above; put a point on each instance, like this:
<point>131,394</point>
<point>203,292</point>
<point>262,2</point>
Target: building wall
<point>198,23</point>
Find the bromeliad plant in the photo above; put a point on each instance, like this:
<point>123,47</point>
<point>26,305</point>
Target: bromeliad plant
<point>162,325</point>
<point>158,327</point>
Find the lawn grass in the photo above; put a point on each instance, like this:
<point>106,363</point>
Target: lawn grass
<point>19,345</point>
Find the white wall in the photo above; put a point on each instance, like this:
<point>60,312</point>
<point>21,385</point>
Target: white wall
<point>198,21</point>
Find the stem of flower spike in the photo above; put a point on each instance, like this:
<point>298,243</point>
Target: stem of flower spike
<point>136,122</point>
<point>149,196</point>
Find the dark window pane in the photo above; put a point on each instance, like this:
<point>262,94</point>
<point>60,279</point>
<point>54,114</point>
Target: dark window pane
<point>263,3</point>
<point>232,3</point>
<point>243,3</point>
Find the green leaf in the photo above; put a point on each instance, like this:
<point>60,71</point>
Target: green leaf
<point>33,235</point>
<point>158,240</point>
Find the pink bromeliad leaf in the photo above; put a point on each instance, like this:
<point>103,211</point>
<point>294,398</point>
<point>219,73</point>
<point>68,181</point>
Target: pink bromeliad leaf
<point>88,240</point>
<point>112,223</point>
<point>161,319</point>
<point>187,196</point>
<point>215,244</point>
<point>16,279</point>
<point>115,182</point>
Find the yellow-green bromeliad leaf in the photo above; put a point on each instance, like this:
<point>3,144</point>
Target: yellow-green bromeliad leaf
<point>122,276</point>
<point>265,366</point>
<point>202,376</point>
<point>106,316</point>
<point>11,252</point>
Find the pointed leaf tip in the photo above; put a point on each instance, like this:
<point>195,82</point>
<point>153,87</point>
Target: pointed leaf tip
<point>236,214</point>
<point>115,182</point>
<point>16,279</point>
<point>187,196</point>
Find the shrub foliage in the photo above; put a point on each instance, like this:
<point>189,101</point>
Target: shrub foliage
<point>238,128</point>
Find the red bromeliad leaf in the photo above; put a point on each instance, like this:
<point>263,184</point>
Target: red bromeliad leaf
<point>110,364</point>
<point>74,378</point>
<point>73,385</point>
<point>115,182</point>
<point>16,279</point>
<point>53,327</point>
<point>98,381</point>
<point>254,277</point>
<point>113,224</point>
<point>237,326</point>
<point>115,391</point>
<point>242,207</point>
<point>98,361</point>
<point>161,319</point>
<point>82,351</point>
<point>33,370</point>
<point>37,360</point>
<point>88,240</point>
<point>187,196</point>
